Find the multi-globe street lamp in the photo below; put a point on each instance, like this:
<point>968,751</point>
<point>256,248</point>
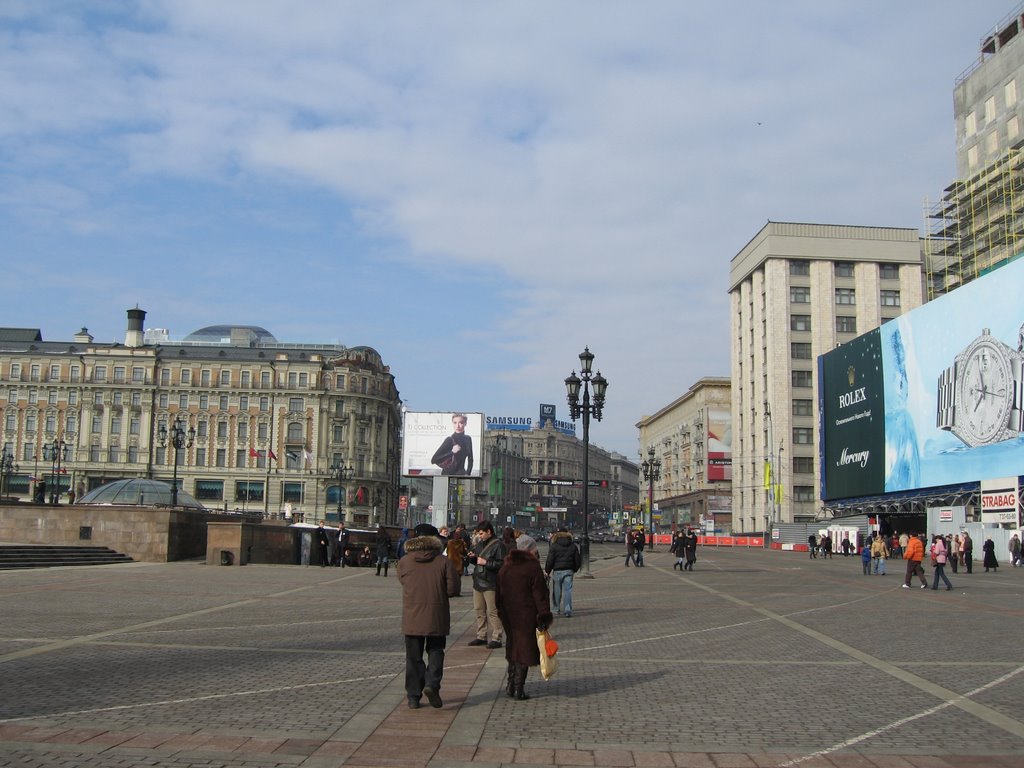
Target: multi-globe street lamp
<point>652,471</point>
<point>55,453</point>
<point>178,438</point>
<point>7,468</point>
<point>586,408</point>
<point>342,474</point>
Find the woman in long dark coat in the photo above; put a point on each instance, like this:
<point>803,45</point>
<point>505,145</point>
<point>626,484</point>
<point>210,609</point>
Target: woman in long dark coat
<point>524,607</point>
<point>989,548</point>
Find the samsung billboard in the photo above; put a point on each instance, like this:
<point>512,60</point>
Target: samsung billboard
<point>932,398</point>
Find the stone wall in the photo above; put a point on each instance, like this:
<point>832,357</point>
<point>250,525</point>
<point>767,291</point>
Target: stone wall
<point>147,534</point>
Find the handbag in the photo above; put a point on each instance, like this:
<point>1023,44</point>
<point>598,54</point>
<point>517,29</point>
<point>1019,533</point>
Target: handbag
<point>548,648</point>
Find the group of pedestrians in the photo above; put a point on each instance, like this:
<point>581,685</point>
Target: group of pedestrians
<point>511,599</point>
<point>684,547</point>
<point>954,550</point>
<point>819,543</point>
<point>636,540</point>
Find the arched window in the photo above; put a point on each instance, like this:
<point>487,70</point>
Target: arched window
<point>295,432</point>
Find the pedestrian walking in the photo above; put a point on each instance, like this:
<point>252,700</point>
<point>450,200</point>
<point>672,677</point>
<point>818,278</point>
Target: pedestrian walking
<point>524,608</point>
<point>563,561</point>
<point>1014,548</point>
<point>953,558</point>
<point>989,560</point>
<point>456,551</point>
<point>639,540</point>
<point>427,580</point>
<point>913,553</point>
<point>323,544</point>
<point>939,557</point>
<point>968,552</point>
<point>630,553</point>
<point>488,556</point>
<point>879,553</point>
<point>812,546</point>
<point>383,544</point>
<point>677,549</point>
<point>690,548</point>
<point>865,558</point>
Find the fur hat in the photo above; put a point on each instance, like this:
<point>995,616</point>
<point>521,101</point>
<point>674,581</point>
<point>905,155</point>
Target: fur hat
<point>425,529</point>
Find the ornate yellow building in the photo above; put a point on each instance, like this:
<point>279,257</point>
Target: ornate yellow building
<point>307,429</point>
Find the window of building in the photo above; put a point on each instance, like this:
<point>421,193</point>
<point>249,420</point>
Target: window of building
<point>115,425</point>
<point>264,404</point>
<point>846,324</point>
<point>183,402</point>
<point>890,298</point>
<point>118,398</point>
<point>990,109</point>
<point>16,371</point>
<point>889,271</point>
<point>991,143</point>
<point>799,322</point>
<point>99,373</point>
<point>293,379</point>
<point>799,267</point>
<point>294,432</point>
<point>97,424</point>
<point>138,374</point>
<point>34,373</point>
<point>243,403</point>
<point>94,454</point>
<point>113,455</point>
<point>51,397</point>
<point>799,294</point>
<point>339,433</point>
<point>295,404</point>
<point>201,428</point>
<point>33,397</point>
<point>186,375</point>
<point>801,378</point>
<point>803,493</point>
<point>75,373</point>
<point>246,490</point>
<point>72,398</point>
<point>972,156</point>
<point>164,400</point>
<point>51,423</point>
<point>204,402</point>
<point>165,377</point>
<point>1012,129</point>
<point>222,457</point>
<point>200,457</point>
<point>204,378</point>
<point>364,384</point>
<point>136,398</point>
<point>303,380</point>
<point>339,407</point>
<point>846,295</point>
<point>970,124</point>
<point>800,350</point>
<point>223,402</point>
<point>246,379</point>
<point>12,395</point>
<point>262,430</point>
<point>209,490</point>
<point>222,429</point>
<point>339,381</point>
<point>264,379</point>
<point>803,436</point>
<point>28,453</point>
<point>119,374</point>
<point>134,425</point>
<point>803,465</point>
<point>133,454</point>
<point>54,373</point>
<point>225,378</point>
<point>10,424</point>
<point>97,398</point>
<point>240,454</point>
<point>69,424</point>
<point>292,492</point>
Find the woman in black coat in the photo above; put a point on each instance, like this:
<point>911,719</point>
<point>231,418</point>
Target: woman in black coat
<point>524,607</point>
<point>989,548</point>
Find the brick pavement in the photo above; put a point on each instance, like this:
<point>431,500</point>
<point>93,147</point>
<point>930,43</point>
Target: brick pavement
<point>756,659</point>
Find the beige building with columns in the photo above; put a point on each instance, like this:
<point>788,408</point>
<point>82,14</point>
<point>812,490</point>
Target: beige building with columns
<point>796,291</point>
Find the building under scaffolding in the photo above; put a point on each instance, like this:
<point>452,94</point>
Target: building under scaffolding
<point>978,225</point>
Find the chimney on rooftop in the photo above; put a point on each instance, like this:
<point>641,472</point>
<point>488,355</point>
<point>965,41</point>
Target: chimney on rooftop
<point>136,319</point>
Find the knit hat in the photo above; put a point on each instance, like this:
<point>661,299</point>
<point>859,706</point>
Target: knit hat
<point>425,529</point>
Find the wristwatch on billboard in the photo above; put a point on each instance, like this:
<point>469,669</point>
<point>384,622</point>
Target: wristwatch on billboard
<point>979,395</point>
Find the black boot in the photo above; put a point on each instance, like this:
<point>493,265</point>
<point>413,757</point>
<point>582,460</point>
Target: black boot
<point>520,680</point>
<point>378,569</point>
<point>510,689</point>
<point>386,569</point>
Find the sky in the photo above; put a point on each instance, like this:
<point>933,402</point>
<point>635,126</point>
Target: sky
<point>477,190</point>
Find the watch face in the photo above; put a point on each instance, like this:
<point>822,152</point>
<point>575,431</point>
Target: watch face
<point>984,387</point>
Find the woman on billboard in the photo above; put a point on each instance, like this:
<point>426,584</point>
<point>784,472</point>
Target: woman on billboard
<point>455,455</point>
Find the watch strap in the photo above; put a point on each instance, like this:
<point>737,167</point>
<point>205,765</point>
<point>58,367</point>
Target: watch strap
<point>945,410</point>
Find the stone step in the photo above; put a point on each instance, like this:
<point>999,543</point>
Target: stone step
<point>14,556</point>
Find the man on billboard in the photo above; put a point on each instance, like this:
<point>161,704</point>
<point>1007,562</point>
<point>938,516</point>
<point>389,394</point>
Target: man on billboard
<point>455,454</point>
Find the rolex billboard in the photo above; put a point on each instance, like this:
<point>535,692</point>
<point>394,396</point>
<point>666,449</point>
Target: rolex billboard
<point>932,398</point>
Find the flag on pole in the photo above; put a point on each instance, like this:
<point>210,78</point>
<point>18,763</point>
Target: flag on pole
<point>254,454</point>
<point>272,456</point>
<point>307,457</point>
<point>767,475</point>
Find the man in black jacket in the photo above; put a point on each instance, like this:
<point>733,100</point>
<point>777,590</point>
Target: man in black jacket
<point>487,557</point>
<point>563,561</point>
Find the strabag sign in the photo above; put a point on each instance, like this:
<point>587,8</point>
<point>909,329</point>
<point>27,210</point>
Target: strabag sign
<point>1000,501</point>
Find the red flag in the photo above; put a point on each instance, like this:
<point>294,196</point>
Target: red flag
<point>272,456</point>
<point>253,453</point>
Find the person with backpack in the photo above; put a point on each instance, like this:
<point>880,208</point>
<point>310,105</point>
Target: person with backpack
<point>563,561</point>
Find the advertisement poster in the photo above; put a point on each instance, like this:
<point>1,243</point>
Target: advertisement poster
<point>442,443</point>
<point>719,444</point>
<point>951,371</point>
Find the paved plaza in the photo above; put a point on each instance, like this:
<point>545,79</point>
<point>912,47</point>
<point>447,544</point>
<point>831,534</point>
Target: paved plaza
<point>754,659</point>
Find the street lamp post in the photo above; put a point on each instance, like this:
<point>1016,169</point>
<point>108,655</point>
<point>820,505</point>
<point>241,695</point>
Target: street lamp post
<point>7,468</point>
<point>178,438</point>
<point>342,474</point>
<point>586,409</point>
<point>652,471</point>
<point>55,452</point>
